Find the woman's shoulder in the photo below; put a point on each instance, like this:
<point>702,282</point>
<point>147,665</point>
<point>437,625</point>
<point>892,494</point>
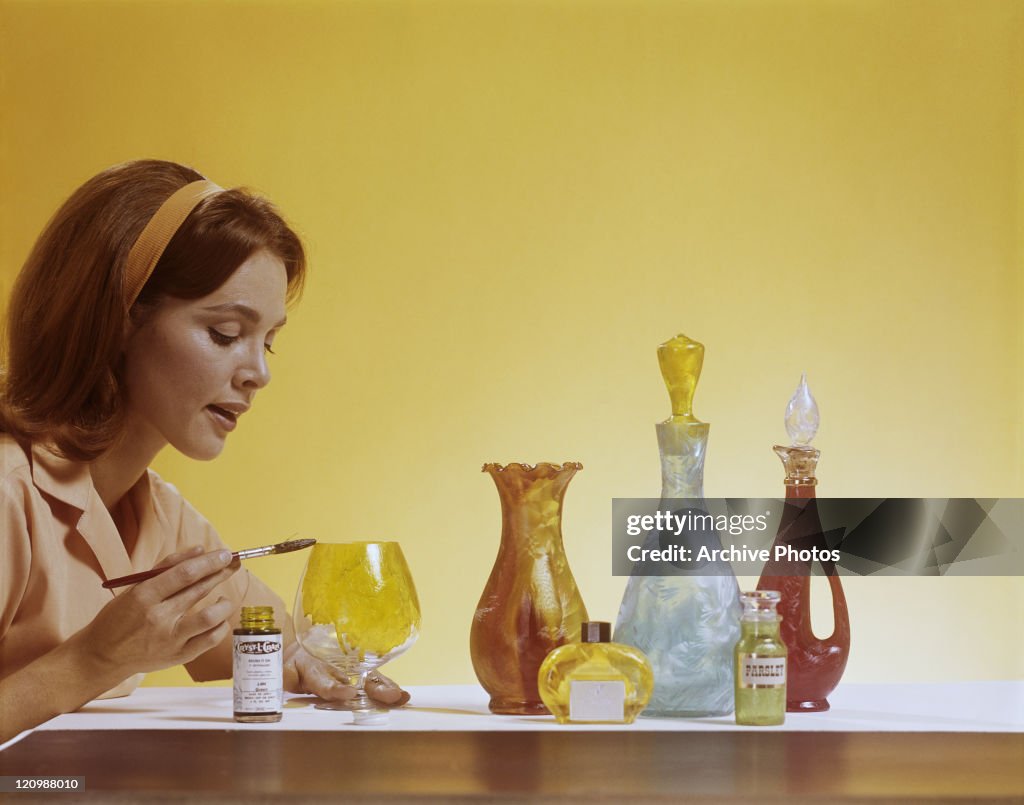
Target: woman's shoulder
<point>14,460</point>
<point>17,488</point>
<point>161,488</point>
<point>36,468</point>
<point>172,504</point>
<point>165,495</point>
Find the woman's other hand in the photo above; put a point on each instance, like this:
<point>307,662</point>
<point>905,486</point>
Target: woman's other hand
<point>304,673</point>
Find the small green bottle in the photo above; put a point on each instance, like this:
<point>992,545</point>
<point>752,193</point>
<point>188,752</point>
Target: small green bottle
<point>760,662</point>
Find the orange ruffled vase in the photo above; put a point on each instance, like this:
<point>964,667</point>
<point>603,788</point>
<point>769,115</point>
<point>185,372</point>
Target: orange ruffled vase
<point>531,603</point>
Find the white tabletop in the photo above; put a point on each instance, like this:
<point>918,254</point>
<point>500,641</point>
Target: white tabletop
<point>951,707</point>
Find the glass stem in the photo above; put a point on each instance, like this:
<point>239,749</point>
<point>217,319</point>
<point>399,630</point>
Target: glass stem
<point>361,700</point>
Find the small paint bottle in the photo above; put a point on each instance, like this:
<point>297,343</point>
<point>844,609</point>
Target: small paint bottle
<point>258,668</point>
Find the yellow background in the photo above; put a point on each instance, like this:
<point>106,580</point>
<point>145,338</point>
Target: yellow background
<point>509,205</point>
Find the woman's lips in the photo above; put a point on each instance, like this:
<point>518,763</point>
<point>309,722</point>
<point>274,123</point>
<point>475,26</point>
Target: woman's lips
<point>223,418</point>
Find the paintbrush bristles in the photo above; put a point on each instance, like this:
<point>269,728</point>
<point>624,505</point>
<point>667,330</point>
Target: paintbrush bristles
<point>293,545</point>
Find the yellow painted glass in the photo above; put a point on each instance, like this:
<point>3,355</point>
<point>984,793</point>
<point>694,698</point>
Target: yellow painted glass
<point>360,589</point>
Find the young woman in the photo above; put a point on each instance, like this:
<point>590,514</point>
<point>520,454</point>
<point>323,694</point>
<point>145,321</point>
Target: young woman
<point>141,319</point>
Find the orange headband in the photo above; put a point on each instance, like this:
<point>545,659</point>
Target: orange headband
<point>145,254</point>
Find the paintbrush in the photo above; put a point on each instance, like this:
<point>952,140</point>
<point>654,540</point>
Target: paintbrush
<point>248,553</point>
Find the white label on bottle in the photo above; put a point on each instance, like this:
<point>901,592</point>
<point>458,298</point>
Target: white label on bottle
<point>259,686</point>
<point>597,701</point>
<point>763,672</point>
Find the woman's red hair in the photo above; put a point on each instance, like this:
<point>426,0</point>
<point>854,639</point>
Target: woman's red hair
<point>67,320</point>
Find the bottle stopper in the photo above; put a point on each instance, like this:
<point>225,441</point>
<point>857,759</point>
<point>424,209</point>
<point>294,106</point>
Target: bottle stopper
<point>681,360</point>
<point>595,632</point>
<point>802,420</point>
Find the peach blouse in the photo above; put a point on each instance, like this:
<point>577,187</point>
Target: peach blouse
<point>58,543</point>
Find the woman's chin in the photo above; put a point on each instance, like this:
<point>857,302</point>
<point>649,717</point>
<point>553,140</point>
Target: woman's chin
<point>204,451</point>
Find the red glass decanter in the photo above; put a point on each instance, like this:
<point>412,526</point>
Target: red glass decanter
<point>815,665</point>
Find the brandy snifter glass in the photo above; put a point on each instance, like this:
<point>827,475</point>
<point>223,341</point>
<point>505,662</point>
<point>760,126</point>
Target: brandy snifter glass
<point>356,609</point>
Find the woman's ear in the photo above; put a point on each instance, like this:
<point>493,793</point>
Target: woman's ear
<point>136,319</point>
<point>130,328</point>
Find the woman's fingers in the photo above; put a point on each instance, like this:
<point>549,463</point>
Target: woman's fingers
<point>189,580</point>
<point>204,620</point>
<point>190,596</point>
<point>385,690</point>
<point>318,680</point>
<point>306,674</point>
<point>174,558</point>
<point>204,641</point>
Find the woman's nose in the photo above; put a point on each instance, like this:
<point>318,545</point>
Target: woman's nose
<point>255,373</point>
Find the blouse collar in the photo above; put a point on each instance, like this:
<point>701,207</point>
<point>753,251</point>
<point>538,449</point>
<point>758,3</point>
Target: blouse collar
<point>71,482</point>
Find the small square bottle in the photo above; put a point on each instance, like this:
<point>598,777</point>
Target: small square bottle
<point>595,681</point>
<point>760,662</point>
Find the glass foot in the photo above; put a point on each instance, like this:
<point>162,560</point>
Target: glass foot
<point>360,703</point>
<point>344,706</point>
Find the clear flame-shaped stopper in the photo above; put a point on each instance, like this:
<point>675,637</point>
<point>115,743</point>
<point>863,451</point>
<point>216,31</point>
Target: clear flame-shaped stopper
<point>800,459</point>
<point>802,415</point>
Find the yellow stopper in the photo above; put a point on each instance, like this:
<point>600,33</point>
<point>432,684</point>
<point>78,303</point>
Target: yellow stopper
<point>681,360</point>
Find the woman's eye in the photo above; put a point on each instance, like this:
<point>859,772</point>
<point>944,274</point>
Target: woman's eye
<point>219,338</point>
<point>268,349</point>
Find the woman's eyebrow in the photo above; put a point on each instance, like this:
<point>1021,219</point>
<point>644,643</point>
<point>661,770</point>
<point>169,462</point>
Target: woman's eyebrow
<point>244,310</point>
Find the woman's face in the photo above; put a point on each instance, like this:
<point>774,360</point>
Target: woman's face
<point>194,366</point>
